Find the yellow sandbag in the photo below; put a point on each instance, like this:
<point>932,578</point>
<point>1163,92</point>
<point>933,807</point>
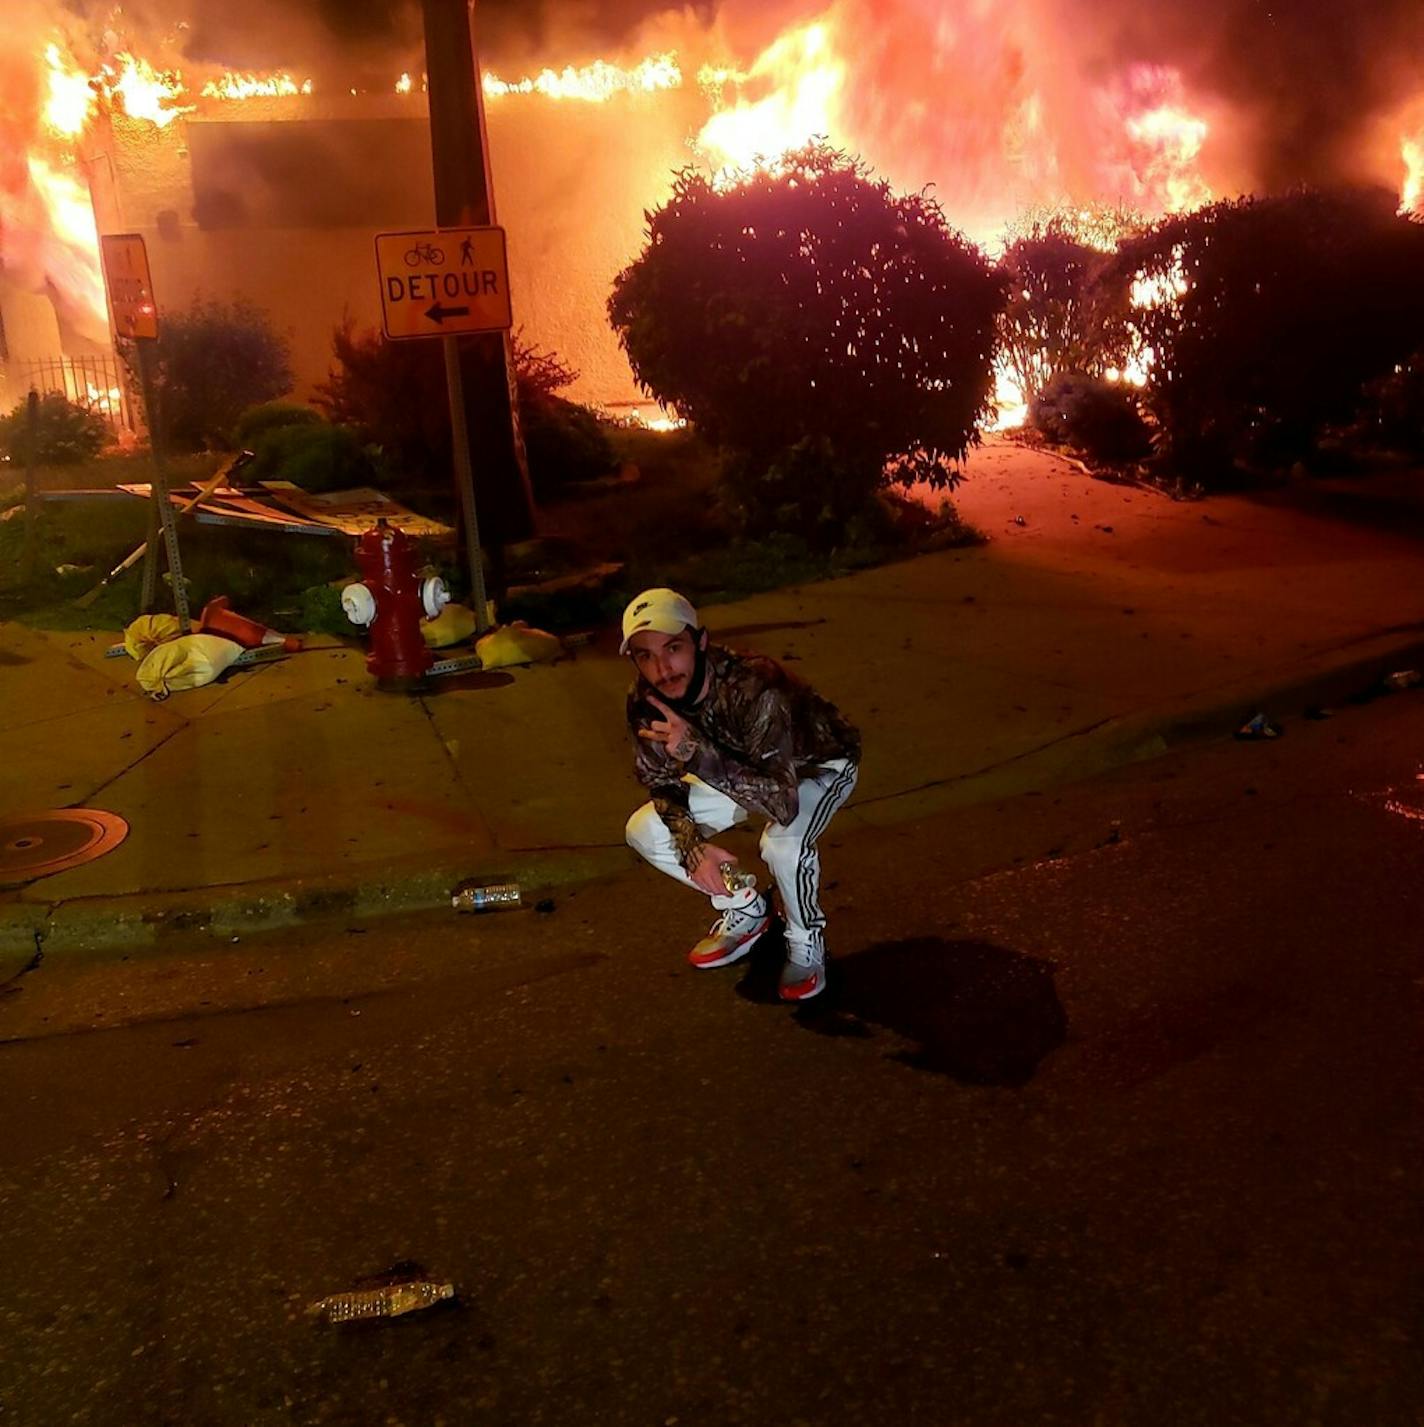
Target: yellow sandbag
<point>517,644</point>
<point>453,625</point>
<point>148,631</point>
<point>188,662</point>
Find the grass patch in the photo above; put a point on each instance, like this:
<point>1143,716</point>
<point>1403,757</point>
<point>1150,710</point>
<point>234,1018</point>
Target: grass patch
<point>264,573</point>
<point>668,525</point>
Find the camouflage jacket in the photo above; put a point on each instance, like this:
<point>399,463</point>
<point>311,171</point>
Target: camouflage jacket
<point>759,732</point>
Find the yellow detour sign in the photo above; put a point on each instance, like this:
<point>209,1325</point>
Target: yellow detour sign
<point>130,287</point>
<point>438,284</point>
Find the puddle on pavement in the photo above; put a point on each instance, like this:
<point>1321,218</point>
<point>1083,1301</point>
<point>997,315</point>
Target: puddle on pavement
<point>978,1013</point>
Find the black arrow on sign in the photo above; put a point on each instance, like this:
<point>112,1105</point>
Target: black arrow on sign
<point>439,314</point>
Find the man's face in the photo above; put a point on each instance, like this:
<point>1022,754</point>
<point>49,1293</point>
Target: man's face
<point>664,660</point>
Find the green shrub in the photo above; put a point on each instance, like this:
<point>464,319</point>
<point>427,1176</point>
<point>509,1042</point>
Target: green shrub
<point>316,458</point>
<point>1392,416</point>
<point>819,329</point>
<point>394,394</point>
<point>212,362</point>
<point>66,432</point>
<point>1096,417</point>
<point>565,443</point>
<point>1272,316</point>
<point>267,416</point>
<point>1050,319</point>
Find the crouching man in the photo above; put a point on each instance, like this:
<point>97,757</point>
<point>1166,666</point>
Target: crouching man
<point>719,737</point>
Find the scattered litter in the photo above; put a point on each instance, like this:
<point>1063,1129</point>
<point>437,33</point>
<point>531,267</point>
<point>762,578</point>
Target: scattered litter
<point>395,1295</point>
<point>517,643</point>
<point>546,905</point>
<point>65,571</point>
<point>1259,726</point>
<point>485,897</point>
<point>1019,520</point>
<point>1403,679</point>
<point>1106,529</point>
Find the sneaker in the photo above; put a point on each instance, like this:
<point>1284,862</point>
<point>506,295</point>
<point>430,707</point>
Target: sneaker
<point>732,936</point>
<point>804,974</point>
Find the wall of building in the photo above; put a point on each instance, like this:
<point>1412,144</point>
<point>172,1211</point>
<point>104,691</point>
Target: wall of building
<point>279,201</point>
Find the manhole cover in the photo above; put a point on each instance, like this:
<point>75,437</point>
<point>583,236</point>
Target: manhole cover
<point>43,843</point>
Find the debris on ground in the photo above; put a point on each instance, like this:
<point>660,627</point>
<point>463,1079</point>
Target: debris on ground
<point>1403,679</point>
<point>406,1288</point>
<point>485,896</point>
<point>1259,726</point>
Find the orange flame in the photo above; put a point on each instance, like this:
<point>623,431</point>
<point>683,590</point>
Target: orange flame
<point>69,97</point>
<point>255,86</point>
<point>595,82</point>
<point>804,75</point>
<point>73,262</point>
<point>1411,196</point>
<point>144,92</point>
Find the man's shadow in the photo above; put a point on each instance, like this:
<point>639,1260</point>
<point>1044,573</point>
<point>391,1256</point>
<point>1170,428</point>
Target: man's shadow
<point>979,1013</point>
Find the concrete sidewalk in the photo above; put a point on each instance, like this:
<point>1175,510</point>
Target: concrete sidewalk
<point>1109,624</point>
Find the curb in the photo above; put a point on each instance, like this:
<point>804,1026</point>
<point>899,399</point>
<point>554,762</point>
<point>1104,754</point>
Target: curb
<point>136,923</point>
<point>1215,715</point>
<point>144,922</point>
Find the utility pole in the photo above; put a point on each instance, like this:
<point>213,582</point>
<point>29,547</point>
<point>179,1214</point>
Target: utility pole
<point>464,199</point>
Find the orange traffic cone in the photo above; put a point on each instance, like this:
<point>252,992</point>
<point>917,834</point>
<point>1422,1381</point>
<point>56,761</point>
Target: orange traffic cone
<point>220,618</point>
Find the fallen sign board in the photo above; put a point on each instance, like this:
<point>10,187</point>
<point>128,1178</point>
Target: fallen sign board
<point>440,283</point>
<point>229,506</point>
<point>352,512</point>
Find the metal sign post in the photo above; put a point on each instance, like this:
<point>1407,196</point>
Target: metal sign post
<point>135,314</point>
<point>32,442</point>
<point>440,283</point>
<point>160,515</point>
<point>465,479</point>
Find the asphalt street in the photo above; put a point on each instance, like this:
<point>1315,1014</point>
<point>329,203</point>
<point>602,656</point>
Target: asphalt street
<point>1112,1116</point>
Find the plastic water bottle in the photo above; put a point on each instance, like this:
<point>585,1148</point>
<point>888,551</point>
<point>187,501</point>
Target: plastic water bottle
<point>485,897</point>
<point>734,879</point>
<point>388,1301</point>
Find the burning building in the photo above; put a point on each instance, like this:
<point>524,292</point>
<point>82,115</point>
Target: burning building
<point>271,185</point>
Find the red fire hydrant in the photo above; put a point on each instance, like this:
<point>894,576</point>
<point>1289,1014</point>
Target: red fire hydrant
<point>390,602</point>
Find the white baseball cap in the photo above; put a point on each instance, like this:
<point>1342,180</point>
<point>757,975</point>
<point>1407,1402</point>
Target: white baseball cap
<point>665,611</point>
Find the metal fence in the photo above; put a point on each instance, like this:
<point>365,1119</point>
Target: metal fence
<point>100,382</point>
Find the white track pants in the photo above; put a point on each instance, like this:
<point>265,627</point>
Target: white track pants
<point>789,852</point>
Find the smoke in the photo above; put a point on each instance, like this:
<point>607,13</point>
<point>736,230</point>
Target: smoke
<point>1307,80</point>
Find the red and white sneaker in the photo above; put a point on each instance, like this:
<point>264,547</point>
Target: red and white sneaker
<point>732,936</point>
<point>804,974</point>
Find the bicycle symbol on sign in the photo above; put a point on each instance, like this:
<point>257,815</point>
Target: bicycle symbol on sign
<point>424,253</point>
